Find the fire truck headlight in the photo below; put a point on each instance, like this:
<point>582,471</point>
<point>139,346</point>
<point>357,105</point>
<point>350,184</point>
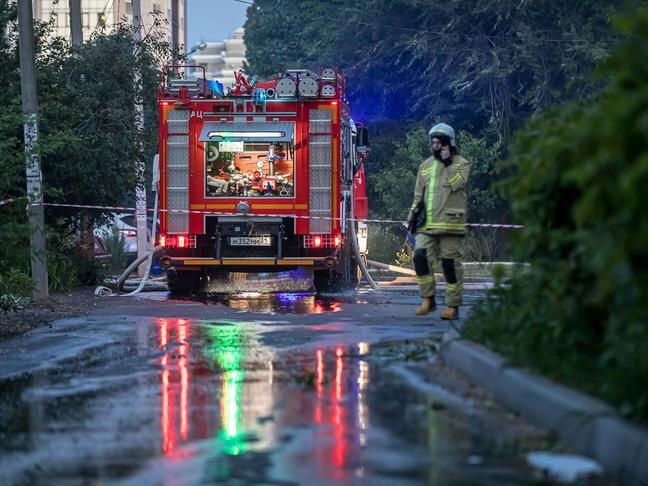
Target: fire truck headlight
<point>317,242</point>
<point>338,240</point>
<point>162,240</point>
<point>182,241</point>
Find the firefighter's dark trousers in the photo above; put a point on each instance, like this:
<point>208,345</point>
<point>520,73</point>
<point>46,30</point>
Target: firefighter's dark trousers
<point>448,249</point>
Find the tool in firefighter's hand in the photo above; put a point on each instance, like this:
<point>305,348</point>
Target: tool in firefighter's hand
<point>418,218</point>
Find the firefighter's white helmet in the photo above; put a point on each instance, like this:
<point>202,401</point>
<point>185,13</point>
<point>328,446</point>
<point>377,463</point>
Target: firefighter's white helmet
<point>443,130</point>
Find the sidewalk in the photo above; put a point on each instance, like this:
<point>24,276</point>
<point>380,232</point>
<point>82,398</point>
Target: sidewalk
<point>586,424</point>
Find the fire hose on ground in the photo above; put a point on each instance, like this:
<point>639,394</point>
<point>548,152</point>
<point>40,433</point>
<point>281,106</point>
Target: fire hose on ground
<point>358,256</point>
<point>144,283</point>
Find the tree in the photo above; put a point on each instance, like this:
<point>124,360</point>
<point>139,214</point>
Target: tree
<point>578,178</point>
<point>88,142</point>
<point>487,65</point>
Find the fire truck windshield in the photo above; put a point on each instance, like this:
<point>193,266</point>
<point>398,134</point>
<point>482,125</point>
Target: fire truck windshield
<point>249,169</point>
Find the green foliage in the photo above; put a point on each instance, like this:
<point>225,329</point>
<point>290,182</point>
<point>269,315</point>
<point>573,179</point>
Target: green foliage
<point>385,242</point>
<point>11,303</point>
<point>88,139</point>
<point>115,246</point>
<point>15,282</point>
<point>479,64</point>
<point>578,183</point>
<point>482,66</point>
<point>15,286</point>
<point>88,117</point>
<point>484,205</point>
<point>392,187</point>
<point>396,161</point>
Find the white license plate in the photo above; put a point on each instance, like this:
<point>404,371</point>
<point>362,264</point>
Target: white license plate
<point>251,241</point>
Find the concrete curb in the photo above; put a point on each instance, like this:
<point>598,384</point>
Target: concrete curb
<point>588,425</point>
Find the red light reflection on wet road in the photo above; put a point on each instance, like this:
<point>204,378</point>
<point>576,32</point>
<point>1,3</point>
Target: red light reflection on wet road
<point>175,403</point>
<point>341,412</point>
<point>336,406</point>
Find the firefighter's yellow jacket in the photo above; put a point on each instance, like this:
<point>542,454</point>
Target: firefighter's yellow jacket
<point>442,190</point>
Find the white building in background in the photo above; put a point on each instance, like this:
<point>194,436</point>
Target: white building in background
<point>221,59</point>
<point>98,13</point>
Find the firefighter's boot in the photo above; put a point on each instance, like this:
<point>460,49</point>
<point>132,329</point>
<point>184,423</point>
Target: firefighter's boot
<point>428,305</point>
<point>450,314</point>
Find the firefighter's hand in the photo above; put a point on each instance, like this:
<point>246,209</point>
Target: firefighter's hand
<point>445,152</point>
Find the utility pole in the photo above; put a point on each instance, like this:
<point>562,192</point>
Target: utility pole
<point>175,27</point>
<point>75,23</point>
<point>140,190</point>
<point>33,168</point>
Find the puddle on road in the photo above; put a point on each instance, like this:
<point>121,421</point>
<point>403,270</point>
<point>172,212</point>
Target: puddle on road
<point>281,303</point>
<point>215,406</point>
<point>272,303</point>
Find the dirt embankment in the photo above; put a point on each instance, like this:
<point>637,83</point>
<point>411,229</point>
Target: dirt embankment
<point>68,304</point>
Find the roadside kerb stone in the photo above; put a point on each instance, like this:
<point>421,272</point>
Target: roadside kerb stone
<point>588,425</point>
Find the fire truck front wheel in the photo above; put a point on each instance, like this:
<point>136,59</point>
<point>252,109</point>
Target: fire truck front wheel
<point>184,281</point>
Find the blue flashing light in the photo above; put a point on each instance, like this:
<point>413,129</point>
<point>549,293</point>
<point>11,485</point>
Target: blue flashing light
<point>216,87</point>
<point>259,96</point>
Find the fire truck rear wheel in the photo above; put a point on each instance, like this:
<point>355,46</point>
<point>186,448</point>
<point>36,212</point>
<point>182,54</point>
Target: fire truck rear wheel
<point>345,276</point>
<point>349,268</point>
<point>327,280</point>
<point>184,282</point>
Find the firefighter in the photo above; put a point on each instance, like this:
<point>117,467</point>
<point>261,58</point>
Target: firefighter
<point>438,215</point>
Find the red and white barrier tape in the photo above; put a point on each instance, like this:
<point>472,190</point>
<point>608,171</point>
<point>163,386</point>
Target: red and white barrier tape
<point>221,213</point>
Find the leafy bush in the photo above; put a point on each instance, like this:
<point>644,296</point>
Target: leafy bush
<point>481,245</point>
<point>15,282</point>
<point>578,183</point>
<point>15,286</point>
<point>385,242</point>
<point>11,303</point>
<point>115,245</point>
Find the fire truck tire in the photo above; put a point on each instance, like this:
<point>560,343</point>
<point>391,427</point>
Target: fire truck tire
<point>345,276</point>
<point>327,280</point>
<point>184,282</point>
<point>350,272</point>
<point>349,268</point>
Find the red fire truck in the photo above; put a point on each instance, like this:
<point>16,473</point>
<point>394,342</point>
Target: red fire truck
<point>267,177</point>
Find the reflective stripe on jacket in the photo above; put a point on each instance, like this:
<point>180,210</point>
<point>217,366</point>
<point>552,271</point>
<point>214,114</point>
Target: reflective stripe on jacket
<point>443,191</point>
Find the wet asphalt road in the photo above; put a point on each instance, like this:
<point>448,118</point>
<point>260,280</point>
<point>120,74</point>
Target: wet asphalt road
<point>290,388</point>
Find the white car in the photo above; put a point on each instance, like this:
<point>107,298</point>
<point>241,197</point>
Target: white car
<point>126,225</point>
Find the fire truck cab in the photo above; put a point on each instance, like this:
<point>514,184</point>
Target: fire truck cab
<point>267,177</point>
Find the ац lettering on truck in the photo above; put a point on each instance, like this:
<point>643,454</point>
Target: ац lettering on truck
<point>268,177</point>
